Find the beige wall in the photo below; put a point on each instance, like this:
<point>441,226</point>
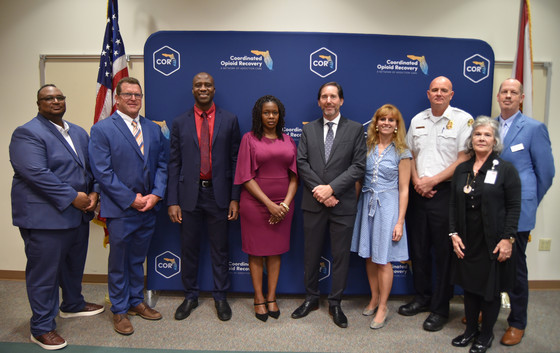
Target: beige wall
<point>29,28</point>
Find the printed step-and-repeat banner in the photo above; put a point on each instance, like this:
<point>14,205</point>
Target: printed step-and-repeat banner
<point>372,69</point>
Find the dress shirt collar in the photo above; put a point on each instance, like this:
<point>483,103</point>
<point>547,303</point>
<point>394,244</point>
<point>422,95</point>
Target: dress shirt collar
<point>335,120</point>
<point>210,112</point>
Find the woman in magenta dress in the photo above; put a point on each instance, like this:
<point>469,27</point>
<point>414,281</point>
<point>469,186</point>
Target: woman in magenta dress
<point>266,166</point>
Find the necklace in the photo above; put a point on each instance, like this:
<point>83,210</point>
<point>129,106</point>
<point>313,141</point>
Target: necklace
<point>468,187</point>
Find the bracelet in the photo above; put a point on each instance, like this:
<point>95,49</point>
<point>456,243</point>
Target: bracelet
<point>283,204</point>
<point>452,234</point>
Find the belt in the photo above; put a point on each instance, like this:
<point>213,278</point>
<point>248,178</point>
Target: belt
<point>205,183</point>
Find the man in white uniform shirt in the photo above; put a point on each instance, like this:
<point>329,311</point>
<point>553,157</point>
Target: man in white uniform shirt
<point>436,137</point>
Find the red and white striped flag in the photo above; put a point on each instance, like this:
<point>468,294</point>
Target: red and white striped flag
<point>112,65</point>
<point>523,62</point>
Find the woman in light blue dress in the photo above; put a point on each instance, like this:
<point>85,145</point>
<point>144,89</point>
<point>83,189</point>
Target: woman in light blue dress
<point>379,231</point>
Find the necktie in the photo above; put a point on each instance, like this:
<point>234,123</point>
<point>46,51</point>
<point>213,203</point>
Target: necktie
<point>204,145</point>
<point>138,135</point>
<point>504,130</point>
<point>329,140</point>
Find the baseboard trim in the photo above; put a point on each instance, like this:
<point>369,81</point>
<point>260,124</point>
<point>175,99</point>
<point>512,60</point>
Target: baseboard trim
<point>91,278</point>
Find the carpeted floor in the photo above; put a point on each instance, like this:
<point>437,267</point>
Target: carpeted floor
<point>202,331</point>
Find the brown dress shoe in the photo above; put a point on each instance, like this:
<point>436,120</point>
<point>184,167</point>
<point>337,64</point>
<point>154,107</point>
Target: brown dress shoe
<point>89,309</point>
<point>49,341</point>
<point>145,312</point>
<point>122,324</point>
<point>512,336</point>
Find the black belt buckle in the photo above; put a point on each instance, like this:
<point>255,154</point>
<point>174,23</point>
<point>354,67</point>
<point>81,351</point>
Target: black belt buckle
<point>205,183</point>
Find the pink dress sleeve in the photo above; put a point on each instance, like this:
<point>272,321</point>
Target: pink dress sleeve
<point>246,167</point>
<point>293,164</point>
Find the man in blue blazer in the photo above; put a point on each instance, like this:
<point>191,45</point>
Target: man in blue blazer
<point>527,146</point>
<point>331,159</point>
<point>53,196</point>
<point>129,161</point>
<point>203,156</point>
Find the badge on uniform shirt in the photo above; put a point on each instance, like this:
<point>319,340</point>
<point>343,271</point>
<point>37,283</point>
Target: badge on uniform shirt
<point>449,125</point>
<point>517,147</point>
<point>420,127</point>
<point>470,122</point>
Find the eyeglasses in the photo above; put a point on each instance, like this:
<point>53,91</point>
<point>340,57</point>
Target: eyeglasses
<point>127,95</point>
<point>50,99</point>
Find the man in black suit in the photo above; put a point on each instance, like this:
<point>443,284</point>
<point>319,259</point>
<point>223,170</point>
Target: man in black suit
<point>203,156</point>
<point>331,158</point>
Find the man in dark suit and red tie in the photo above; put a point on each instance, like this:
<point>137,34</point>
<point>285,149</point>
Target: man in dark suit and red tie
<point>129,161</point>
<point>53,198</point>
<point>203,156</point>
<point>331,158</point>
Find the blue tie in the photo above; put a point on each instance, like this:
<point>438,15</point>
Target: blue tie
<point>329,140</point>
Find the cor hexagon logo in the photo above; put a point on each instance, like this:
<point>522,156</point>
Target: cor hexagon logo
<point>168,264</point>
<point>476,68</point>
<point>324,269</point>
<point>167,60</point>
<point>323,62</point>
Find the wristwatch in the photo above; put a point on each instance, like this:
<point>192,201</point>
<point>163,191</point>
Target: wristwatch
<point>511,240</point>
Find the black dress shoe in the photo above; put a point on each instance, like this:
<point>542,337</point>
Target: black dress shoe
<point>262,317</point>
<point>273,314</point>
<point>464,340</point>
<point>223,309</point>
<point>338,316</point>
<point>434,322</point>
<point>412,308</point>
<point>305,308</point>
<point>185,309</point>
<point>479,347</point>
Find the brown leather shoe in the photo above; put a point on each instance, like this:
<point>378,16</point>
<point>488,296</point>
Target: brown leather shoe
<point>512,336</point>
<point>122,324</point>
<point>50,341</point>
<point>89,309</point>
<point>145,312</point>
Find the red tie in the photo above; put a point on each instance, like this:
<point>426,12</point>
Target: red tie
<point>204,145</point>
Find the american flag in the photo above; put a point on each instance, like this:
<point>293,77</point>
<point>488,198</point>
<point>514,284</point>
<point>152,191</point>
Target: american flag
<point>112,65</point>
<point>523,62</point>
<point>112,68</point>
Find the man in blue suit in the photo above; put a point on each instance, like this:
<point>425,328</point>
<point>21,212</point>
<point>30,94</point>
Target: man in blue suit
<point>129,161</point>
<point>203,156</point>
<point>527,146</point>
<point>53,196</point>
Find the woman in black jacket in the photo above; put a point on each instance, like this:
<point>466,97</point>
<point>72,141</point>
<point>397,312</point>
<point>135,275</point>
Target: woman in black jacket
<point>484,210</point>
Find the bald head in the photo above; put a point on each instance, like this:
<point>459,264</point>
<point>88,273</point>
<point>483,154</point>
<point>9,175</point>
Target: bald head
<point>440,94</point>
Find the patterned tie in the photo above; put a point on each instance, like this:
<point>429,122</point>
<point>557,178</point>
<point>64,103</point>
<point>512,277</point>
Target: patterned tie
<point>204,145</point>
<point>138,135</point>
<point>329,140</point>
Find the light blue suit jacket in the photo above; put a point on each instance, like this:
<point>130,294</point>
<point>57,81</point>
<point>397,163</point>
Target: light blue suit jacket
<point>527,146</point>
<point>121,169</point>
<point>48,175</point>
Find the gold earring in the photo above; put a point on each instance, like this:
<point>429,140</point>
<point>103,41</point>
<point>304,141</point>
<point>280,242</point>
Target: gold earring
<point>376,128</point>
<point>395,132</point>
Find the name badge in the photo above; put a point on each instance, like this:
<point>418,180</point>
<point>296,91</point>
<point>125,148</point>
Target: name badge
<point>491,177</point>
<point>517,147</point>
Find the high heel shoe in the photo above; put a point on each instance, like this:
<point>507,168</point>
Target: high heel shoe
<point>273,314</point>
<point>377,325</point>
<point>262,317</point>
<point>369,312</point>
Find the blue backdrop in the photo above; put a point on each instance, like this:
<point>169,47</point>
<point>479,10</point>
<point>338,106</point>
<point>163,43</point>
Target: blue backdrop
<point>372,69</point>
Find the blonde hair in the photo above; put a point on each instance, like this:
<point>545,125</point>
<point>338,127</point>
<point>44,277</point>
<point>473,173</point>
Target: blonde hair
<point>398,138</point>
